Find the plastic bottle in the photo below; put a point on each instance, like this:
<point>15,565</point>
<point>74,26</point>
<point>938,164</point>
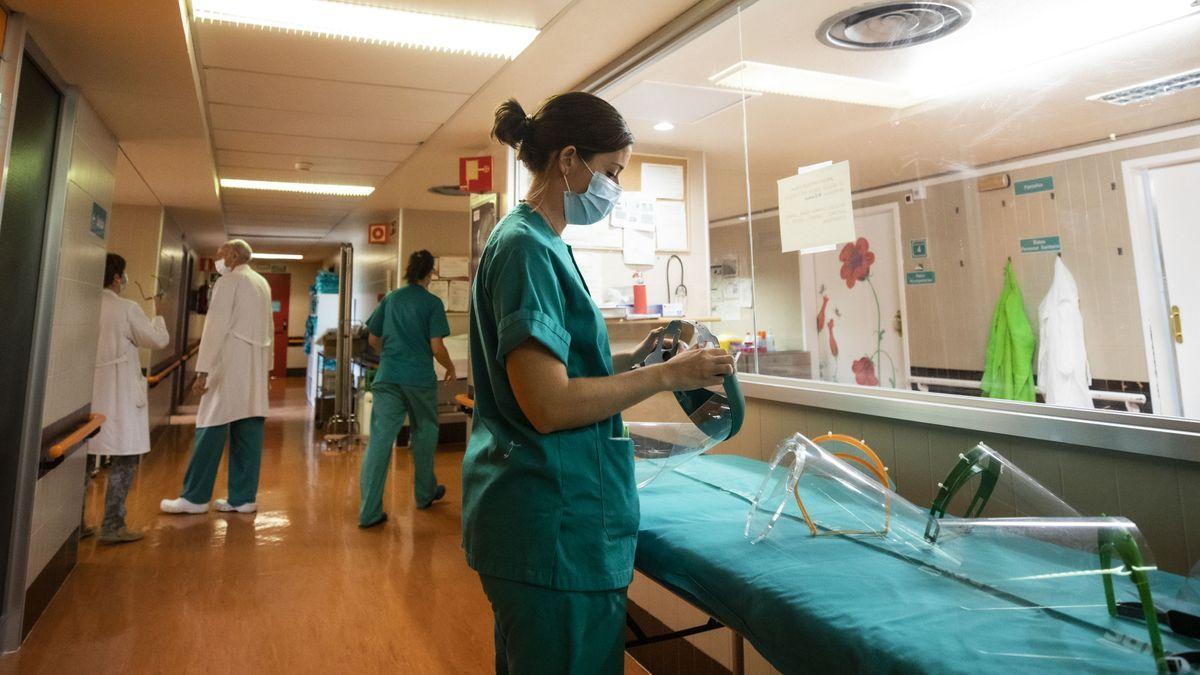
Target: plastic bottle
<point>639,294</point>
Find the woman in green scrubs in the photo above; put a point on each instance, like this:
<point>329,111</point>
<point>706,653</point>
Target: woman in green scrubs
<point>411,323</point>
<point>550,510</point>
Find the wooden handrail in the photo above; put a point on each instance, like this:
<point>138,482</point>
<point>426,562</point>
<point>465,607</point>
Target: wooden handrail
<point>465,401</point>
<point>161,375</point>
<point>83,432</point>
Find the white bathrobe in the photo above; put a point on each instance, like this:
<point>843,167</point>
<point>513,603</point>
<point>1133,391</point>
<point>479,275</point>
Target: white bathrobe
<point>1063,373</point>
<point>118,387</point>
<point>235,349</point>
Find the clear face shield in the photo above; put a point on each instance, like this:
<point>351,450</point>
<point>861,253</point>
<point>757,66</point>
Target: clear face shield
<point>712,416</point>
<point>1015,540</point>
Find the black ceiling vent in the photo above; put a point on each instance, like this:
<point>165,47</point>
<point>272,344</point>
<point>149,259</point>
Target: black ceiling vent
<point>448,191</point>
<point>891,25</point>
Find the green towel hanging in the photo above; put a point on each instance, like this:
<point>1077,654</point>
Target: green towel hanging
<point>1008,371</point>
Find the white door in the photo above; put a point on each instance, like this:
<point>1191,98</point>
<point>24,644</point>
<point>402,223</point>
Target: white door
<point>1175,191</point>
<point>857,306</point>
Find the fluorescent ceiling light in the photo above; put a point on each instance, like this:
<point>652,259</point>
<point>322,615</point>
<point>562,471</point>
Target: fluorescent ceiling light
<point>1144,91</point>
<point>664,126</point>
<point>379,25</point>
<point>277,256</point>
<point>306,188</point>
<point>770,78</point>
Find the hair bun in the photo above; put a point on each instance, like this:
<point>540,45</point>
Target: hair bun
<point>512,126</point>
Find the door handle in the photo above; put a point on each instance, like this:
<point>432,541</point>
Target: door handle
<point>1176,324</point>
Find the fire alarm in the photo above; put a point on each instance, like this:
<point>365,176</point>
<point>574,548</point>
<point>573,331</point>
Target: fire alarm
<point>379,233</point>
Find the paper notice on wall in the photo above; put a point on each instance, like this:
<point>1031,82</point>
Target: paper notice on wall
<point>635,210</point>
<point>639,247</point>
<point>599,235</point>
<point>662,181</point>
<point>441,289</point>
<point>727,311</point>
<point>815,208</point>
<point>459,296</point>
<point>670,225</point>
<point>590,265</point>
<point>453,267</point>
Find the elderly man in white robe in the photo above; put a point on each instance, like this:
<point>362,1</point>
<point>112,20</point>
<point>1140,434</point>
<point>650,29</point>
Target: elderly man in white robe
<point>232,372</point>
<point>119,393</point>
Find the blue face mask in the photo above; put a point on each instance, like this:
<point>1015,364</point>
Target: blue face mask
<point>591,206</point>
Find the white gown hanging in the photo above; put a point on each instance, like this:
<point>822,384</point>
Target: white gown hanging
<point>1063,372</point>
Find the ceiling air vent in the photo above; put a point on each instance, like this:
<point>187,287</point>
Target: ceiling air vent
<point>448,191</point>
<point>1144,91</point>
<point>891,25</point>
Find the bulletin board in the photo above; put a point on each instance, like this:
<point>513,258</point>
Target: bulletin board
<point>656,182</point>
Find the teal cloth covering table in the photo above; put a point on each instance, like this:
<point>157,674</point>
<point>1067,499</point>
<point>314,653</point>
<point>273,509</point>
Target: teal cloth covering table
<point>837,604</point>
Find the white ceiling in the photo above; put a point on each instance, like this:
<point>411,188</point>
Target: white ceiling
<point>1033,109</point>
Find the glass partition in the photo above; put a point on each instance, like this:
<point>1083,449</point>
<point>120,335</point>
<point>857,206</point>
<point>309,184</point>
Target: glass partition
<point>985,199</point>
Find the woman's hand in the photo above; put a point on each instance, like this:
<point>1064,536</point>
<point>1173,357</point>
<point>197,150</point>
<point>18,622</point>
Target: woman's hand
<point>646,346</point>
<point>698,368</point>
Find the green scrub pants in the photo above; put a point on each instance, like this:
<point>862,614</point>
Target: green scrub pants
<point>541,630</point>
<point>390,404</point>
<point>245,458</point>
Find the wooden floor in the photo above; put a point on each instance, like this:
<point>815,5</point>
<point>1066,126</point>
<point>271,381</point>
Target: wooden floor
<point>296,587</point>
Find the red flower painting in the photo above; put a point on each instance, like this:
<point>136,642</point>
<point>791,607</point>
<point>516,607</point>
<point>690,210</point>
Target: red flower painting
<point>832,342</point>
<point>821,314</point>
<point>856,259</point>
<point>864,372</point>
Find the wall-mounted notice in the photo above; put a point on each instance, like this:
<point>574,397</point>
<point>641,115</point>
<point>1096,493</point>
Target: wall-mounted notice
<point>459,296</point>
<point>453,266</point>
<point>815,209</point>
<point>662,181</point>
<point>599,235</point>
<point>670,225</point>
<point>918,248</point>
<point>1041,245</point>
<point>920,277</point>
<point>635,210</point>
<point>1028,187</point>
<point>441,289</point>
<point>639,247</point>
<point>99,220</point>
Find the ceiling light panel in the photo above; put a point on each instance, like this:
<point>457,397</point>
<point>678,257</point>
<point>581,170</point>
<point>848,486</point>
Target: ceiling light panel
<point>769,78</point>
<point>682,104</point>
<point>303,188</point>
<point>377,25</point>
<point>1145,91</point>
<point>277,256</point>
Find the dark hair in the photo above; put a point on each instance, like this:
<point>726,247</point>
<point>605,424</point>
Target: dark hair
<point>420,264</point>
<point>114,267</point>
<point>580,119</point>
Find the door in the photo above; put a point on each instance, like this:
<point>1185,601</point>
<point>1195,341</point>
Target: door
<point>858,306</point>
<point>1176,205</point>
<point>281,291</point>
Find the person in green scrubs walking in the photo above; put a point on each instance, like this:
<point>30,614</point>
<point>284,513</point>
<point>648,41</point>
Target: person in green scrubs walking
<point>550,509</point>
<point>410,323</point>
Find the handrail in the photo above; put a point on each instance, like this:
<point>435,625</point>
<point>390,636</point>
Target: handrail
<point>161,375</point>
<point>464,401</point>
<point>83,432</point>
<point>1133,402</point>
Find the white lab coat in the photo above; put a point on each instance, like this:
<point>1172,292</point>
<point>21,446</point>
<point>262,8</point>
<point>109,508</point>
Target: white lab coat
<point>235,348</point>
<point>118,387</point>
<point>1063,372</point>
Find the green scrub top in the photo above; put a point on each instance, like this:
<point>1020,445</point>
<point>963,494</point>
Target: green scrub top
<point>558,510</point>
<point>407,319</point>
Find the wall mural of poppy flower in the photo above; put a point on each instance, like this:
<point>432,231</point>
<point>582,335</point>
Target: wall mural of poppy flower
<point>821,314</point>
<point>856,260</point>
<point>864,372</point>
<point>833,348</point>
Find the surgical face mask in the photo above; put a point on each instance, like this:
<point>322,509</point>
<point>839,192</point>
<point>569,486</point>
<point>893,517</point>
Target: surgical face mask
<point>122,283</point>
<point>222,268</point>
<point>594,204</point>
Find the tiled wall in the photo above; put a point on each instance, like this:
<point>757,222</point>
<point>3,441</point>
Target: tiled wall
<point>970,234</point>
<point>58,498</point>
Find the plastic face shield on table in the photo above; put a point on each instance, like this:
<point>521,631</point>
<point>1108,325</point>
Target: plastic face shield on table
<point>1078,568</point>
<point>712,416</point>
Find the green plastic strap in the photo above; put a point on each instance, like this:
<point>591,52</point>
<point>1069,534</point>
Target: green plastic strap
<point>1124,545</point>
<point>970,464</point>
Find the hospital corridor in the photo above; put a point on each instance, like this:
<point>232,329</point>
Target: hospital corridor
<point>599,337</point>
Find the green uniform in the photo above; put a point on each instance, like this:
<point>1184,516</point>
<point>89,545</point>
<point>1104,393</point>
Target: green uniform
<point>405,385</point>
<point>555,511</point>
<point>245,458</point>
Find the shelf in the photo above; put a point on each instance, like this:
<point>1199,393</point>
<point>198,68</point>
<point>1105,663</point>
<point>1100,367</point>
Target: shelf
<point>659,320</point>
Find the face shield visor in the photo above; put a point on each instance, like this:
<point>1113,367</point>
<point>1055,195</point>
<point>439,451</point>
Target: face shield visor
<point>711,416</point>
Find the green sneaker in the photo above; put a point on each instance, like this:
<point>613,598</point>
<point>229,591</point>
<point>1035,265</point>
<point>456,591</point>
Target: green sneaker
<point>121,536</point>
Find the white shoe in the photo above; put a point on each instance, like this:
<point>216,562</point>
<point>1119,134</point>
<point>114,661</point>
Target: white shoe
<point>224,505</point>
<point>181,505</point>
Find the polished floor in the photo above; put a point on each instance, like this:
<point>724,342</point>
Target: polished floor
<point>296,587</point>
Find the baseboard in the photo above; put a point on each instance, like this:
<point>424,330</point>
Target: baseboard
<point>46,585</point>
<point>296,372</point>
<point>671,656</point>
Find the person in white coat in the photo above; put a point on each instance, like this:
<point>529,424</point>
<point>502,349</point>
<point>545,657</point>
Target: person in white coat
<point>119,393</point>
<point>232,373</point>
<point>1063,372</point>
